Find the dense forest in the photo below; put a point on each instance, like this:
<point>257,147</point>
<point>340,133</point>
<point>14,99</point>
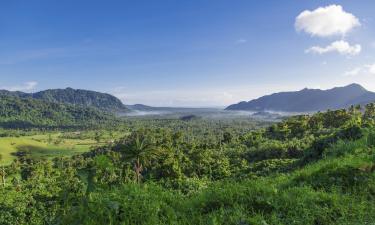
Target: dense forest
<point>76,97</point>
<point>16,112</point>
<point>307,169</point>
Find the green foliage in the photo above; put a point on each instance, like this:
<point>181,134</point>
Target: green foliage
<point>311,169</point>
<point>271,166</point>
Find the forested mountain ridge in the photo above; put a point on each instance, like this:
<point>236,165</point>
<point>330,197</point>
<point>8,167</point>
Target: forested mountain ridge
<point>77,97</point>
<point>309,100</point>
<point>16,112</point>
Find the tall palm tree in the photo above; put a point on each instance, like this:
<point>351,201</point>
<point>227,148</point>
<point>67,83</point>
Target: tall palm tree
<point>2,171</point>
<point>140,150</point>
<point>369,111</point>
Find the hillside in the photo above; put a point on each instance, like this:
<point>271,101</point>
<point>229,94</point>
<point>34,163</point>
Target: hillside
<point>77,97</point>
<point>309,100</point>
<point>18,112</point>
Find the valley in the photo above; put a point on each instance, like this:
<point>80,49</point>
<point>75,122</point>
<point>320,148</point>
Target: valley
<point>187,112</point>
<point>184,165</point>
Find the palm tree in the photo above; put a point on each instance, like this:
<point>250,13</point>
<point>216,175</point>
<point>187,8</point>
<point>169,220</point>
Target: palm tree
<point>140,150</point>
<point>2,171</point>
<point>369,111</point>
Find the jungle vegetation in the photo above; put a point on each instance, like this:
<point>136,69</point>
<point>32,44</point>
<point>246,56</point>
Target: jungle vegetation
<point>26,113</point>
<point>307,169</point>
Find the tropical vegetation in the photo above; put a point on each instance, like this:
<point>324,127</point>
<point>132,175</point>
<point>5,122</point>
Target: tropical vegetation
<point>307,169</point>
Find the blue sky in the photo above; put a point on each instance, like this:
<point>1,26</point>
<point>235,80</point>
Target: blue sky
<point>186,53</point>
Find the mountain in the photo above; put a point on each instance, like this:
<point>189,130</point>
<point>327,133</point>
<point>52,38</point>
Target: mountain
<point>141,107</point>
<point>76,97</point>
<point>16,112</point>
<point>79,97</point>
<point>309,100</point>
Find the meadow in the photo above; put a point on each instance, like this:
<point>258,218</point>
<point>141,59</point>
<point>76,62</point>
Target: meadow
<point>39,145</point>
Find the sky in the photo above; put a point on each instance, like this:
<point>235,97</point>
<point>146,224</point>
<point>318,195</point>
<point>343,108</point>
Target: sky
<point>186,53</point>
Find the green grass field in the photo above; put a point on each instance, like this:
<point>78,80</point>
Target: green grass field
<point>39,146</point>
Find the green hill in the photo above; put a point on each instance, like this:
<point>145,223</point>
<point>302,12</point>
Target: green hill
<point>75,97</point>
<point>18,112</point>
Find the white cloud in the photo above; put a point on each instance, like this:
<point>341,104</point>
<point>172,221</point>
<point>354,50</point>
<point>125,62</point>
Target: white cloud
<point>27,86</point>
<point>341,47</point>
<point>326,21</point>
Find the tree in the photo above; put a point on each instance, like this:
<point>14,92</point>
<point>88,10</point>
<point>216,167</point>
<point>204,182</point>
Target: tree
<point>2,171</point>
<point>140,151</point>
<point>227,137</point>
<point>369,112</point>
<point>98,137</point>
<point>355,112</point>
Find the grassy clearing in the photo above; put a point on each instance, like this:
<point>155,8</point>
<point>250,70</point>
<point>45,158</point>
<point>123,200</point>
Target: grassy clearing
<point>44,145</point>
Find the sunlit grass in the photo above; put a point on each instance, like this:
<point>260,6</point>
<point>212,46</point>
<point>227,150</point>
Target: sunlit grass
<point>39,146</point>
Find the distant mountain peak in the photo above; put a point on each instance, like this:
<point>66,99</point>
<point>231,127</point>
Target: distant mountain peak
<point>309,100</point>
<point>355,86</point>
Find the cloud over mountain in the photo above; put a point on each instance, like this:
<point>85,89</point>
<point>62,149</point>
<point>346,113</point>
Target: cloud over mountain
<point>27,86</point>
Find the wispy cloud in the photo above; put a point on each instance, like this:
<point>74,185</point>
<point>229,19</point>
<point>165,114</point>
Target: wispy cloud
<point>353,72</point>
<point>27,87</point>
<point>241,41</point>
<point>368,69</point>
<point>341,47</point>
<point>371,68</point>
